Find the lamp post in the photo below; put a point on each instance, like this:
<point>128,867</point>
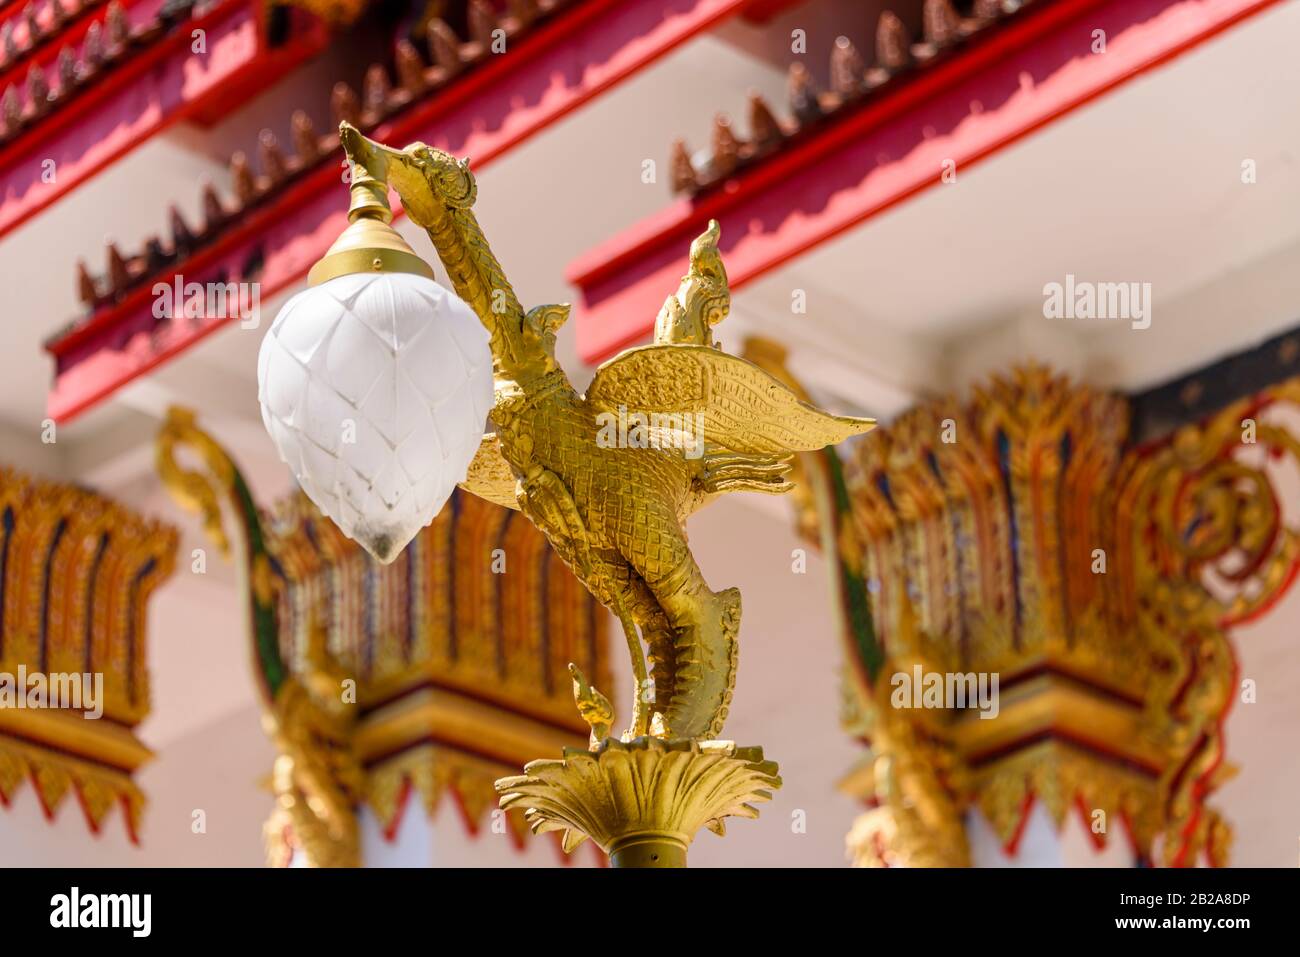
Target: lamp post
<point>610,499</point>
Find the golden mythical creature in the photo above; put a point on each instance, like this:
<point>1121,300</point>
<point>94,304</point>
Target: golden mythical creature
<point>318,777</point>
<point>918,785</point>
<point>702,422</point>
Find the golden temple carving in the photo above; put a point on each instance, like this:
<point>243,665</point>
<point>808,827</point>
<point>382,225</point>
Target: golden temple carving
<point>1020,535</point>
<point>614,509</point>
<point>76,575</point>
<point>430,676</point>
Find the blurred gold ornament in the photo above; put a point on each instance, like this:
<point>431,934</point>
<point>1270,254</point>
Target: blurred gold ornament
<point>1021,534</point>
<point>317,778</point>
<point>77,573</point>
<point>443,667</point>
<point>338,13</point>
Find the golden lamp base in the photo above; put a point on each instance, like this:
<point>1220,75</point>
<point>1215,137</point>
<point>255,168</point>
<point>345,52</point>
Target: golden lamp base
<point>642,801</point>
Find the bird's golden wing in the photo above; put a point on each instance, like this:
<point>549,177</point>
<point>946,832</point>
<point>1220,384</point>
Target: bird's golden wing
<point>743,408</point>
<point>489,476</point>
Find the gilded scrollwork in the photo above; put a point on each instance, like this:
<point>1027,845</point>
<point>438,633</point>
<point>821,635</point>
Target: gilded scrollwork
<point>1021,534</point>
<point>915,783</point>
<point>1211,547</point>
<point>317,778</point>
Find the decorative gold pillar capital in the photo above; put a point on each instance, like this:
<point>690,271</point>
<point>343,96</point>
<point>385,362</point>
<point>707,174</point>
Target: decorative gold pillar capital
<point>76,574</point>
<point>1020,536</point>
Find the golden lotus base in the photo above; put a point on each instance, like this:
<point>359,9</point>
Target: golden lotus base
<point>642,801</point>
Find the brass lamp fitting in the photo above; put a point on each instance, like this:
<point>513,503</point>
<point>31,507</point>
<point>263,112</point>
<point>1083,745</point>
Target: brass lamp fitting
<point>369,244</point>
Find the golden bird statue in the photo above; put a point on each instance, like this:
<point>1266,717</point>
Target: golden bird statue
<point>611,476</point>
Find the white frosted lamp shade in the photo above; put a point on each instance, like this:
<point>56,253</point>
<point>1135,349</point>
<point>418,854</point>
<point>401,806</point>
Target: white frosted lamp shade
<point>375,388</point>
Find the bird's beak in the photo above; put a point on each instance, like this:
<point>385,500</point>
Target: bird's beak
<point>410,172</point>
<point>364,153</point>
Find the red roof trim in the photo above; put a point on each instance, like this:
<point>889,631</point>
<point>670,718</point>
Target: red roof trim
<point>74,133</point>
<point>834,181</point>
<point>551,73</point>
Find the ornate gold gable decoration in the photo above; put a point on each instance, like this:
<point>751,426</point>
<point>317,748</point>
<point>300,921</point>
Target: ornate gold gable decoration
<point>1019,535</point>
<point>458,653</point>
<point>76,574</point>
